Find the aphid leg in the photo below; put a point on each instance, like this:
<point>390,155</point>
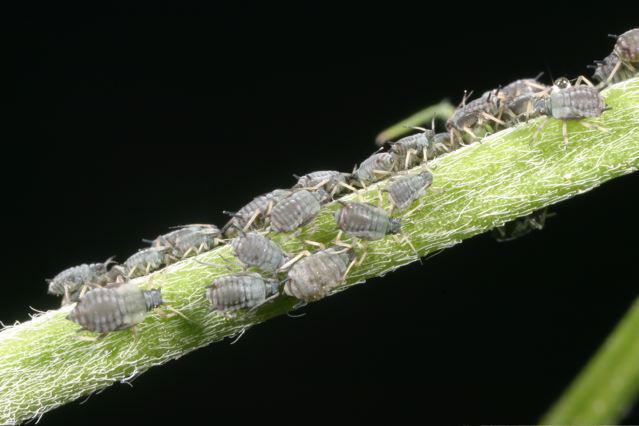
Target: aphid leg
<point>190,252</point>
<point>469,132</point>
<point>409,154</point>
<point>338,241</point>
<point>92,339</point>
<point>537,133</point>
<point>290,262</point>
<point>319,185</point>
<point>264,302</point>
<point>350,266</point>
<point>252,219</point>
<point>583,79</point>
<point>492,118</point>
<point>174,311</point>
<point>316,244</point>
<point>136,335</point>
<point>380,197</point>
<point>564,132</point>
<point>594,126</point>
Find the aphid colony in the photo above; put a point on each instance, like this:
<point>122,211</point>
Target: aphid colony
<point>108,301</point>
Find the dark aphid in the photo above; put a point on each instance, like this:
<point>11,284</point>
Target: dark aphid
<point>442,144</point>
<point>242,290</point>
<point>195,242</point>
<point>116,275</point>
<point>521,226</point>
<point>70,282</point>
<point>296,210</point>
<point>567,102</point>
<point>254,213</point>
<point>330,180</point>
<point>524,86</point>
<point>475,115</point>
<point>169,239</point>
<point>627,46</point>
<point>253,249</point>
<point>109,309</point>
<point>377,166</point>
<point>404,190</point>
<point>610,70</point>
<point>148,260</point>
<point>366,221</point>
<point>313,277</point>
<point>412,150</point>
<point>523,108</point>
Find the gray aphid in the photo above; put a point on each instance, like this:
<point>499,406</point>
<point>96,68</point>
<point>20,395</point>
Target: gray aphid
<point>627,46</point>
<point>409,151</point>
<point>568,102</point>
<point>376,167</point>
<point>169,239</point>
<point>109,309</point>
<point>260,205</point>
<point>253,249</point>
<point>366,221</point>
<point>240,291</point>
<point>195,242</point>
<point>71,280</point>
<point>606,67</point>
<point>404,190</point>
<point>296,210</point>
<point>313,277</point>
<point>148,260</point>
<point>333,180</point>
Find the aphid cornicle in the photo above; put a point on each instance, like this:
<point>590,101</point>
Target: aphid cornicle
<point>254,213</point>
<point>69,282</point>
<point>195,242</point>
<point>376,167</point>
<point>411,150</point>
<point>567,102</point>
<point>331,180</point>
<point>104,310</point>
<point>313,277</point>
<point>366,221</point>
<point>243,290</point>
<point>253,249</point>
<point>296,210</point>
<point>404,190</point>
<point>148,260</point>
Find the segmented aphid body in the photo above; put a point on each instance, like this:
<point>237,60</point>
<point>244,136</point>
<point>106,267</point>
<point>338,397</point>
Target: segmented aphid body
<point>524,86</point>
<point>376,167</point>
<point>607,66</point>
<point>442,144</point>
<point>296,210</point>
<point>253,249</point>
<point>404,190</point>
<point>169,239</point>
<point>109,309</point>
<point>573,103</point>
<point>240,291</point>
<point>313,277</point>
<point>627,46</point>
<point>521,226</point>
<point>196,242</point>
<point>71,280</point>
<point>475,114</point>
<point>259,208</point>
<point>410,151</point>
<point>333,180</point>
<point>148,260</point>
<point>366,221</point>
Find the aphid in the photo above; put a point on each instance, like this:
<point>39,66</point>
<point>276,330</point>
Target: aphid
<point>366,221</point>
<point>72,281</point>
<point>411,150</point>
<point>313,277</point>
<point>475,115</point>
<point>296,210</point>
<point>627,46</point>
<point>116,275</point>
<point>567,102</point>
<point>376,167</point>
<point>170,238</point>
<point>254,213</point>
<point>103,310</point>
<point>521,226</point>
<point>195,242</point>
<point>243,290</point>
<point>148,260</point>
<point>442,143</point>
<point>609,70</point>
<point>332,181</point>
<point>253,249</point>
<point>404,190</point>
<point>523,108</point>
<point>524,86</point>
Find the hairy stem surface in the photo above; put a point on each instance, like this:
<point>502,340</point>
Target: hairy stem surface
<point>479,187</point>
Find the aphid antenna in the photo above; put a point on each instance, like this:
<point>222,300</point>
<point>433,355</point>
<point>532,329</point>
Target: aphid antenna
<point>232,214</point>
<point>110,260</point>
<point>538,76</point>
<point>613,36</point>
<point>205,225</point>
<point>147,241</point>
<point>296,176</point>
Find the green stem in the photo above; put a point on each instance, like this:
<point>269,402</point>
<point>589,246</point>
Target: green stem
<point>476,188</point>
<point>608,386</point>
<point>440,111</point>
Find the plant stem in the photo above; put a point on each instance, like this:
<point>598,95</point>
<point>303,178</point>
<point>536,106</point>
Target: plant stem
<point>608,385</point>
<point>476,188</point>
<point>440,111</point>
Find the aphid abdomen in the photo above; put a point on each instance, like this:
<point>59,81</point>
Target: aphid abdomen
<point>108,309</point>
<point>195,242</point>
<point>259,204</point>
<point>627,46</point>
<point>146,261</point>
<point>313,277</point>
<point>576,102</point>
<point>405,190</point>
<point>254,249</point>
<point>365,221</point>
<point>369,170</point>
<point>294,211</point>
<point>605,68</point>
<point>239,291</point>
<point>331,179</point>
<point>72,279</point>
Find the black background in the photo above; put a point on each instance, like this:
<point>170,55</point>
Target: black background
<point>138,120</point>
